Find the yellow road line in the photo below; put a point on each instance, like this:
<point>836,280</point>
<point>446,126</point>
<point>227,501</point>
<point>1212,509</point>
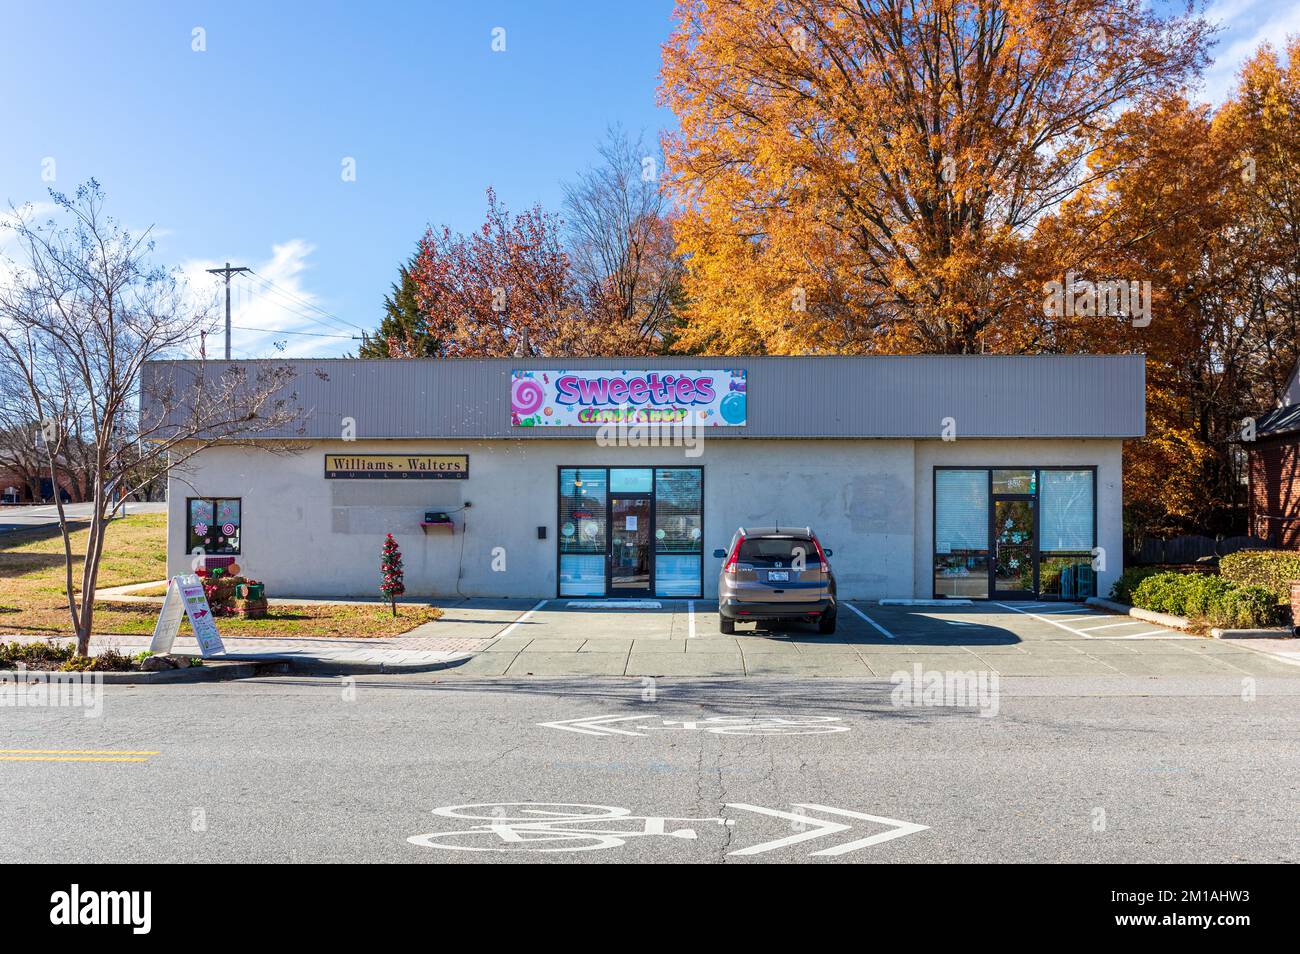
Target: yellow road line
<point>69,758</point>
<point>72,752</point>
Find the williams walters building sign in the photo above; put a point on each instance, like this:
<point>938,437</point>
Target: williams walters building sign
<point>396,466</point>
<point>982,477</point>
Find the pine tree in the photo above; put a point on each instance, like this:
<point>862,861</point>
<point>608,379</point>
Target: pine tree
<point>391,567</point>
<point>404,330</point>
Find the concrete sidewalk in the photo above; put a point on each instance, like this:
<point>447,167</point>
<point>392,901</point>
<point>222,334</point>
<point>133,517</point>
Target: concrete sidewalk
<point>466,626</point>
<point>357,655</point>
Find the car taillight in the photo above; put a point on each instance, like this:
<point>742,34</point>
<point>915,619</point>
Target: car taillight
<point>733,556</point>
<point>821,557</point>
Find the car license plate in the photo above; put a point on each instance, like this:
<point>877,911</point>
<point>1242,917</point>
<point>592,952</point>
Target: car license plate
<point>778,576</point>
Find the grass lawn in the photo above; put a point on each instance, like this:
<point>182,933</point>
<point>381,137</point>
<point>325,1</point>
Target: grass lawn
<point>32,602</point>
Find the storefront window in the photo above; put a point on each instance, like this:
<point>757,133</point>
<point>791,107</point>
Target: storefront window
<point>1067,518</point>
<point>631,480</point>
<point>1015,482</point>
<point>582,531</point>
<point>961,533</point>
<point>1066,577</point>
<point>1067,536</point>
<point>679,527</point>
<point>214,525</point>
<point>655,544</point>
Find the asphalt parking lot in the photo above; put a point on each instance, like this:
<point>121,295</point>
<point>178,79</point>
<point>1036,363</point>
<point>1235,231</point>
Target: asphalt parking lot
<point>682,638</point>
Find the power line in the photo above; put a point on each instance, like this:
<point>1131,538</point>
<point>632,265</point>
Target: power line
<point>304,302</point>
<point>285,331</point>
<point>278,297</point>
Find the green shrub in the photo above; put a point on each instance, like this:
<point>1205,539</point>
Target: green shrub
<point>1164,592</point>
<point>1212,599</point>
<point>62,657</point>
<point>1123,589</point>
<point>1203,591</point>
<point>34,655</point>
<point>1272,569</point>
<point>1244,607</point>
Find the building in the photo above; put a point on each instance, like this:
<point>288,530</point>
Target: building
<point>956,476</point>
<point>1274,469</point>
<point>36,486</point>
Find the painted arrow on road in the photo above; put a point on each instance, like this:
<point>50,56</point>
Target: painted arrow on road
<point>716,725</point>
<point>595,725</point>
<point>567,826</point>
<point>821,828</point>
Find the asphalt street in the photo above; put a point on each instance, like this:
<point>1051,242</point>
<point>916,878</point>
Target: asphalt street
<point>1079,768</point>
<point>44,515</point>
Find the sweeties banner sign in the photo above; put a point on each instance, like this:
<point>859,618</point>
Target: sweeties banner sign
<point>594,398</point>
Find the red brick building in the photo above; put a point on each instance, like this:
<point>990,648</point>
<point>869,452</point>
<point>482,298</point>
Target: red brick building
<point>1275,472</point>
<point>14,488</point>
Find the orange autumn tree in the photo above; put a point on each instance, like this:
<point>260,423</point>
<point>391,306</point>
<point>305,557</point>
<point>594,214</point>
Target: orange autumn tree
<point>1260,127</point>
<point>1205,206</point>
<point>1162,219</point>
<point>867,177</point>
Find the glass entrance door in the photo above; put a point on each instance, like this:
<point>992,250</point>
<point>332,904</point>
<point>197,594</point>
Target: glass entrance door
<point>1015,550</point>
<point>631,569</point>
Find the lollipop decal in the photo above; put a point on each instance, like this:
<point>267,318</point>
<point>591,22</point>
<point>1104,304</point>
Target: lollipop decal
<point>526,396</point>
<point>228,529</point>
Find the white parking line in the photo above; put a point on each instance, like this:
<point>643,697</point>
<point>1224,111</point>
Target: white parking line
<point>1159,633</point>
<point>522,619</point>
<point>884,632</point>
<point>690,619</point>
<point>1135,622</point>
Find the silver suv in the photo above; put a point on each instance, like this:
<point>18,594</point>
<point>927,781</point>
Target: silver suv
<point>771,573</point>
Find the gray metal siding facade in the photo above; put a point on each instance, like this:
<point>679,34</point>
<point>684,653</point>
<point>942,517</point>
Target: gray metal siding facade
<point>903,396</point>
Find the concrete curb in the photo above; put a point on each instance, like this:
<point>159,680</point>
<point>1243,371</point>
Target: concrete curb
<point>1160,619</point>
<point>1278,633</point>
<point>324,666</point>
<point>247,666</point>
<point>211,671</point>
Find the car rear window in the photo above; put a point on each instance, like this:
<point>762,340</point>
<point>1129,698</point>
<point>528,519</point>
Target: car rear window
<point>766,551</point>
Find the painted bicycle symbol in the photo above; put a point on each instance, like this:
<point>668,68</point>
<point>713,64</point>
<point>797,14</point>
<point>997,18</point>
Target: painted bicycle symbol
<point>572,826</point>
<point>526,826</point>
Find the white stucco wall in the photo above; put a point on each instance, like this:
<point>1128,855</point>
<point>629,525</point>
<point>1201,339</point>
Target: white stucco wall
<point>869,500</point>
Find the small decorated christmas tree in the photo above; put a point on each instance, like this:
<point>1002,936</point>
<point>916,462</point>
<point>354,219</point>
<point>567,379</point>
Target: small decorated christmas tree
<point>391,567</point>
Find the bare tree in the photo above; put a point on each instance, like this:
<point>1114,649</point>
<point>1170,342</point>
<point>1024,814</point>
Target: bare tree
<point>84,312</point>
<point>20,451</point>
<point>620,240</point>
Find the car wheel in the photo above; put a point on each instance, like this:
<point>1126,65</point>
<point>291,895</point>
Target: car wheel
<point>728,626</point>
<point>826,625</point>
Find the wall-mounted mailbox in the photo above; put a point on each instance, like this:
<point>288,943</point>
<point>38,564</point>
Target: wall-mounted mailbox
<point>437,520</point>
<point>541,533</point>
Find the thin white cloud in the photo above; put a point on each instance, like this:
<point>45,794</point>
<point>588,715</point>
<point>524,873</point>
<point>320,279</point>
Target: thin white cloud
<point>275,310</point>
<point>1246,25</point>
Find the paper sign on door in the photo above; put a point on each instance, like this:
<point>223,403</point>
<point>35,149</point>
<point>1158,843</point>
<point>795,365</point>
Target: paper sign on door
<point>631,523</point>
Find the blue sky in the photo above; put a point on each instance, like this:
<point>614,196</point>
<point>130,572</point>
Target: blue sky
<point>236,152</point>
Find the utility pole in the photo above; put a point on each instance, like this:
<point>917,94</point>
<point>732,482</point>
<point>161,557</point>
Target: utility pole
<point>227,272</point>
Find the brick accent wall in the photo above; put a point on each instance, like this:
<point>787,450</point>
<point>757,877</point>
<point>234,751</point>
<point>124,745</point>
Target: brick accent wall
<point>1275,490</point>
